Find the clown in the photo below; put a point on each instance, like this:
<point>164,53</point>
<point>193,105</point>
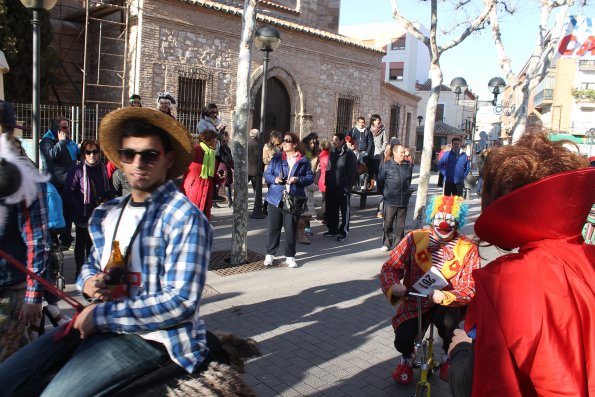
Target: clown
<point>437,261</point>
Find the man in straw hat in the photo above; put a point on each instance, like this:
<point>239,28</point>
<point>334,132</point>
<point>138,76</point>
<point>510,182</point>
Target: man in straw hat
<point>165,243</point>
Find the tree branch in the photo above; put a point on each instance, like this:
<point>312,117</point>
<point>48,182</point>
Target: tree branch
<point>408,25</point>
<point>481,18</point>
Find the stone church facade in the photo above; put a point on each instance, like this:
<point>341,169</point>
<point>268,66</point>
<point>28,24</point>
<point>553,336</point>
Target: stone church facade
<point>318,80</point>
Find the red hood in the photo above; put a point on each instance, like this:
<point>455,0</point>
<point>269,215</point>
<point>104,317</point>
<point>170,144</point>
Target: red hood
<point>551,208</point>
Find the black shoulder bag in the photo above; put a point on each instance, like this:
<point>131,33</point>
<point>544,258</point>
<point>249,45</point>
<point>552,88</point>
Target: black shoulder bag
<point>292,204</point>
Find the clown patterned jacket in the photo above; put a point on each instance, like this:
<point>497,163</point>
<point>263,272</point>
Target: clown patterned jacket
<point>410,260</point>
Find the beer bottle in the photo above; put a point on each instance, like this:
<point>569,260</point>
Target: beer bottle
<point>116,269</point>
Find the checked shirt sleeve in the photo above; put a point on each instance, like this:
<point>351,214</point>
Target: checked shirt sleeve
<point>183,255</point>
<point>33,221</point>
<point>393,270</point>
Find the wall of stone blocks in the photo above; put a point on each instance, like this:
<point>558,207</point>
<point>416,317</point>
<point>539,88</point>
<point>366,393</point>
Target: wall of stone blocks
<point>315,71</point>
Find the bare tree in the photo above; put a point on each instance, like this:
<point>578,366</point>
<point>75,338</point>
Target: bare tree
<point>239,244</point>
<point>436,77</point>
<point>538,63</point>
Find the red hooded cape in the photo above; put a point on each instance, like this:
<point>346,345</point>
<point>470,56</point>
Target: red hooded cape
<point>534,311</point>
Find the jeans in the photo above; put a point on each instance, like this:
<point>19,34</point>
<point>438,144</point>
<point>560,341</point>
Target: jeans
<point>96,366</point>
<point>392,235</point>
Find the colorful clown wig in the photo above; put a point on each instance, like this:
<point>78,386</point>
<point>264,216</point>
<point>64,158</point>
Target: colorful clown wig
<point>453,205</point>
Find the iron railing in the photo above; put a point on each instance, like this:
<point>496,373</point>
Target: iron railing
<point>93,116</point>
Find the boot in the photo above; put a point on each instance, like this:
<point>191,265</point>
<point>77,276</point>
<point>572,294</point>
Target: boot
<point>301,235</point>
<point>229,199</point>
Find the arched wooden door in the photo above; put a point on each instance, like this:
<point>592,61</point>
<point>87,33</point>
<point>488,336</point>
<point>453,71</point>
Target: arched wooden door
<point>277,108</point>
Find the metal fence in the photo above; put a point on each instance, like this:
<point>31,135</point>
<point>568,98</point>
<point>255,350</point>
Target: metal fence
<point>93,116</point>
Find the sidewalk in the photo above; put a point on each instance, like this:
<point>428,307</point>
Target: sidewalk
<point>324,328</point>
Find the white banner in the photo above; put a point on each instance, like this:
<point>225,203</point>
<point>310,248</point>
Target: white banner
<point>578,39</point>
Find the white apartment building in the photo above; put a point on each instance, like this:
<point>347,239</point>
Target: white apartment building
<point>407,60</point>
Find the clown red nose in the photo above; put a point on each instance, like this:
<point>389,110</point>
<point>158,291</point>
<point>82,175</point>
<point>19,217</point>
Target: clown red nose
<point>444,226</point>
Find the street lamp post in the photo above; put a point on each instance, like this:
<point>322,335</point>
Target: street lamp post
<point>419,120</point>
<point>36,6</point>
<point>267,38</point>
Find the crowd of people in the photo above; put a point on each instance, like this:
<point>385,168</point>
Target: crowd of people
<point>130,213</point>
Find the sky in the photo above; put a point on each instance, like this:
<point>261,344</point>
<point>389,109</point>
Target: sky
<point>474,59</point>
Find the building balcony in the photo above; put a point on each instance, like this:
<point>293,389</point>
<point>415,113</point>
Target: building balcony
<point>586,64</point>
<point>543,97</point>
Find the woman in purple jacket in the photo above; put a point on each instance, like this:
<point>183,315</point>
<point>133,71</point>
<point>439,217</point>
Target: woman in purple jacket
<point>87,186</point>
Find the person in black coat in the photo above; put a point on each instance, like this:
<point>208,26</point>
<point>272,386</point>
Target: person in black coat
<point>340,174</point>
<point>395,175</point>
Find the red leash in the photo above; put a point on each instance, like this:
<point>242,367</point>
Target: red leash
<point>49,286</point>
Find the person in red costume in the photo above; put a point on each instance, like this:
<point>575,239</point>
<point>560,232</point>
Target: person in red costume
<point>533,315</point>
<point>439,253</point>
<point>199,180</point>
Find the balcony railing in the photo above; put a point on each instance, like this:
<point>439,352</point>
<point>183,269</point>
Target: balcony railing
<point>543,96</point>
<point>586,64</point>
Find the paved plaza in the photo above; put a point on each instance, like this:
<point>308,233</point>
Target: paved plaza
<point>324,329</point>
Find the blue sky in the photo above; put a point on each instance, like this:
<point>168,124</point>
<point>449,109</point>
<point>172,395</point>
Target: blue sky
<point>475,59</point>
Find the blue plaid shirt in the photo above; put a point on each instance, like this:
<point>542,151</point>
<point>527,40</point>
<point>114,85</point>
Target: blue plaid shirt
<point>175,244</point>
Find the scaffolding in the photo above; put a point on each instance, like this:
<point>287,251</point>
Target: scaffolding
<point>105,47</point>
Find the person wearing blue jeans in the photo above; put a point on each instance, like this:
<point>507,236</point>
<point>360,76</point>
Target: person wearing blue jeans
<point>152,318</point>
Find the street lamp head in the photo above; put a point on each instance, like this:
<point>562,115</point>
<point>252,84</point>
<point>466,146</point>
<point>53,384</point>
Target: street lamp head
<point>458,85</point>
<point>495,84</point>
<point>419,119</point>
<point>39,4</point>
<point>266,38</point>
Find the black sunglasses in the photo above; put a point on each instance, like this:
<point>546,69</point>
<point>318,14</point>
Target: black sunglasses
<point>149,156</point>
<point>91,152</point>
<point>287,140</point>
<point>63,127</point>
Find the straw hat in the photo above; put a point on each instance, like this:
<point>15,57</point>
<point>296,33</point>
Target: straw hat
<point>110,130</point>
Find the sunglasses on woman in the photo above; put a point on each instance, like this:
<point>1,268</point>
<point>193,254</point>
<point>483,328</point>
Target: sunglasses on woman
<point>149,156</point>
<point>287,140</point>
<point>90,152</point>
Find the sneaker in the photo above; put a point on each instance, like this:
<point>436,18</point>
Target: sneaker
<point>268,260</point>
<point>384,248</point>
<point>403,373</point>
<point>380,215</point>
<point>329,234</point>
<point>308,231</point>
<point>444,371</point>
<point>341,238</point>
<point>291,262</point>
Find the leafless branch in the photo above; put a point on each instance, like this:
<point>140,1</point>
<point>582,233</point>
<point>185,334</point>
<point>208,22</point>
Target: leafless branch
<point>408,25</point>
<point>479,21</point>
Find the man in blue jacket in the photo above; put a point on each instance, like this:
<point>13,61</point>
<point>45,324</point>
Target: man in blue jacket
<point>454,165</point>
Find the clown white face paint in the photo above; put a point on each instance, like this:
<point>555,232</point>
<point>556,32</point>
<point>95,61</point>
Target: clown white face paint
<point>444,226</point>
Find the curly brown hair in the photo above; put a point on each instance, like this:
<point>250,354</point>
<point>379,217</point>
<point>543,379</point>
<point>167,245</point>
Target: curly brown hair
<point>532,158</point>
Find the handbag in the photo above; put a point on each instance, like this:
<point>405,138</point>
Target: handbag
<point>292,204</point>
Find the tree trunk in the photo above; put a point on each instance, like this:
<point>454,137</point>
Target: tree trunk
<point>239,245</point>
<point>428,147</point>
